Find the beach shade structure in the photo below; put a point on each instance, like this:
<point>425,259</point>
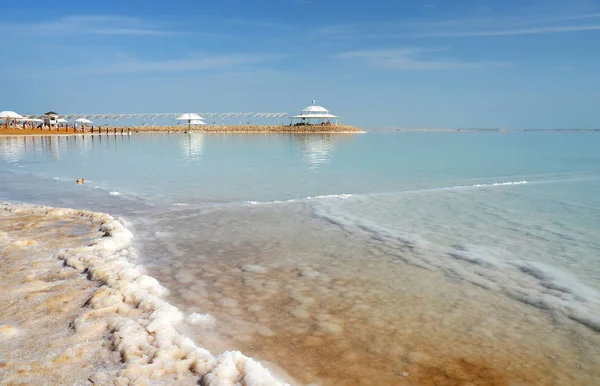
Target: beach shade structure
<point>197,122</point>
<point>314,112</point>
<point>83,120</point>
<point>8,115</point>
<point>61,120</point>
<point>189,117</point>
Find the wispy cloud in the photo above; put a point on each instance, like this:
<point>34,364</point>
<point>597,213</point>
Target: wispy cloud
<point>412,59</point>
<point>126,64</point>
<point>91,25</point>
<point>554,19</point>
<point>511,32</point>
<point>459,28</point>
<point>181,65</point>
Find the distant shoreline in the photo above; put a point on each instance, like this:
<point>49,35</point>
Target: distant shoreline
<point>262,129</point>
<point>241,129</point>
<point>485,130</point>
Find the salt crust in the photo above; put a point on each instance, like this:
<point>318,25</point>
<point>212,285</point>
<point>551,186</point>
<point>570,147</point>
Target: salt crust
<point>141,323</point>
<point>529,282</point>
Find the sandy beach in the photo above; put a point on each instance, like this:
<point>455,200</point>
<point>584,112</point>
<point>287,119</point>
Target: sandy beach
<point>264,129</point>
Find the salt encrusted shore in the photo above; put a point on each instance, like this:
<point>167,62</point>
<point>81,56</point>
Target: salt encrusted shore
<point>89,314</point>
<point>246,129</point>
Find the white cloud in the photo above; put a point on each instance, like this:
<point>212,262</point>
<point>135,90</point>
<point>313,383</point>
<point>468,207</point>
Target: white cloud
<point>180,65</point>
<point>125,64</point>
<point>90,25</point>
<point>563,18</point>
<point>457,28</point>
<point>511,32</point>
<point>412,59</point>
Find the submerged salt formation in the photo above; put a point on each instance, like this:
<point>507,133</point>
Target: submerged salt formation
<point>129,309</point>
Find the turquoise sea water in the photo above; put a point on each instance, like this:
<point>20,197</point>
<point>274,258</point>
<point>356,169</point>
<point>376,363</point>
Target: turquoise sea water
<point>515,214</point>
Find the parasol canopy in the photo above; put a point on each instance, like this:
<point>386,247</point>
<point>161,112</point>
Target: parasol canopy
<point>10,115</point>
<point>188,117</point>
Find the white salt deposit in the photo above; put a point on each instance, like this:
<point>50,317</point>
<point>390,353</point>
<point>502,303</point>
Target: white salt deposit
<point>200,319</point>
<point>252,268</point>
<point>131,307</point>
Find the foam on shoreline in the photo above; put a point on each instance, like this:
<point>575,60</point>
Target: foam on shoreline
<point>130,306</point>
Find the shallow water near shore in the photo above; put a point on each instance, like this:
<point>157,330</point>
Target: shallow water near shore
<point>383,258</point>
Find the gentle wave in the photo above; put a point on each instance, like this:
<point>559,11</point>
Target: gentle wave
<point>141,322</point>
<point>344,196</point>
<point>309,198</point>
<point>509,183</point>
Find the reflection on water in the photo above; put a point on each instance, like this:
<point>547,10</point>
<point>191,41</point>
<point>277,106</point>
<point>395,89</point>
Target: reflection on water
<point>316,149</point>
<point>221,167</point>
<point>12,149</point>
<point>192,146</point>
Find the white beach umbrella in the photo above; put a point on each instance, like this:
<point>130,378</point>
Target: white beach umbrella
<point>61,120</point>
<point>197,122</point>
<point>189,117</point>
<point>7,115</point>
<point>83,120</point>
<point>10,115</point>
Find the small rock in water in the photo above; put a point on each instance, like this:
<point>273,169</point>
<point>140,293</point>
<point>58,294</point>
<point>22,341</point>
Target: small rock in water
<point>80,181</point>
<point>252,268</point>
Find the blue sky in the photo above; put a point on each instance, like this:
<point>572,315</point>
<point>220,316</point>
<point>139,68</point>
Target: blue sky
<point>429,63</point>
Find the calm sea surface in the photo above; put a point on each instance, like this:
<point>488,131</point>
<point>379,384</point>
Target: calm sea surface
<point>349,258</point>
